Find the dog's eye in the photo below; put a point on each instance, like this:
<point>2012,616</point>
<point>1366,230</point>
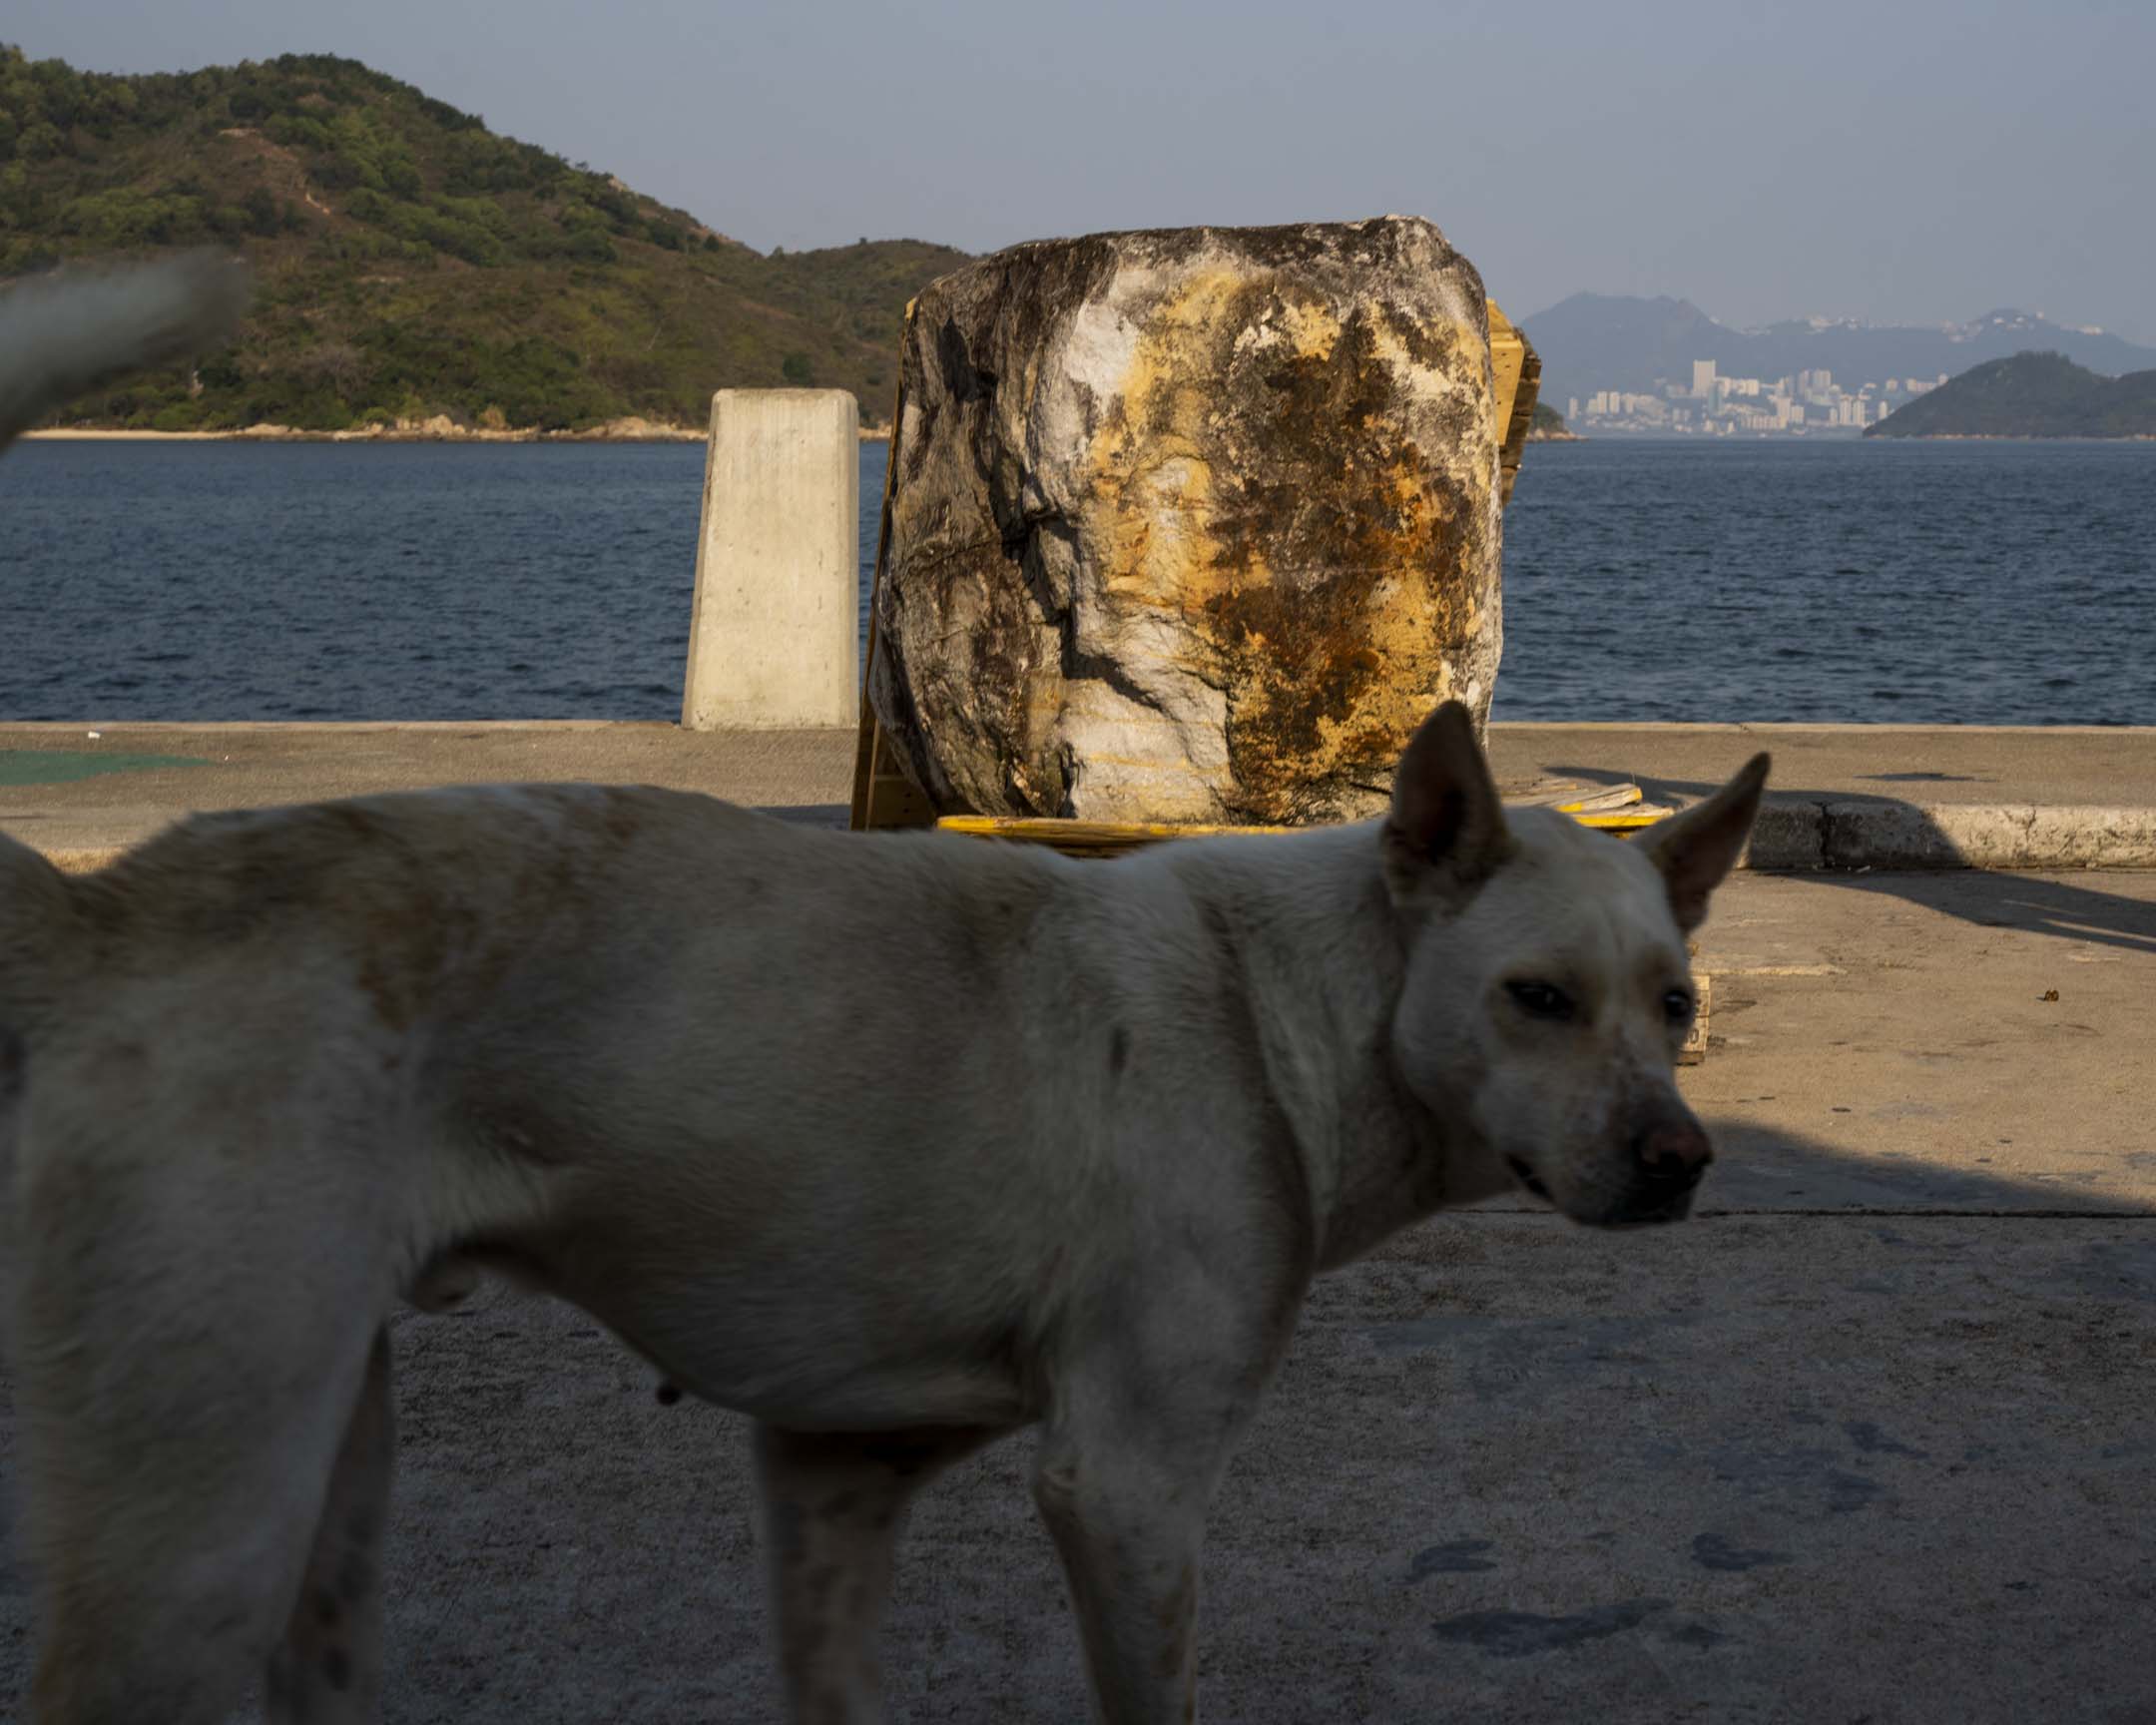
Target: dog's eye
<point>1677,1004</point>
<point>1541,999</point>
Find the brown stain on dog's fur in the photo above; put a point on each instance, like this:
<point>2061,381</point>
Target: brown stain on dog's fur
<point>429,918</point>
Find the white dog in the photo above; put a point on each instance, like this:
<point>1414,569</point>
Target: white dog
<point>896,1143</point>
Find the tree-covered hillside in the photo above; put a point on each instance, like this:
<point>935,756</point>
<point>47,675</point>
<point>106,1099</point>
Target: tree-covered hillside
<point>2029,395</point>
<point>409,263</point>
<point>1546,425</point>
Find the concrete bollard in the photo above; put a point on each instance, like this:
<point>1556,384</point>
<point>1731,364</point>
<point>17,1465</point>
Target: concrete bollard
<point>772,632</point>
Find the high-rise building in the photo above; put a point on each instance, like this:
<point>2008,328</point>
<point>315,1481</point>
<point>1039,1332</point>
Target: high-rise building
<point>1703,378</point>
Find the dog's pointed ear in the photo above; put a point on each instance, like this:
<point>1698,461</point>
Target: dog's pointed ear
<point>1446,831</point>
<point>1695,849</point>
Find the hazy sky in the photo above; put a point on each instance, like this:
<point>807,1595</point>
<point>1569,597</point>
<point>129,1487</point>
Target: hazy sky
<point>1909,161</point>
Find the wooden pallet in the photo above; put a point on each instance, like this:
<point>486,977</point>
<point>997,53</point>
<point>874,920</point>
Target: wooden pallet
<point>882,793</point>
<point>1695,1047</point>
<point>1516,380</point>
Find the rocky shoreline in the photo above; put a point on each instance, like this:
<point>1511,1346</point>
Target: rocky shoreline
<point>2023,437</point>
<point>438,430</point>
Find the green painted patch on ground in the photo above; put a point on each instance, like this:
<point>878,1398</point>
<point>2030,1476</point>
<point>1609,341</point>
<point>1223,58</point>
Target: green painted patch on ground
<point>66,765</point>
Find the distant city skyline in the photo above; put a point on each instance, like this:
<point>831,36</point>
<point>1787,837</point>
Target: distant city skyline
<point>1715,405</point>
<point>1915,163</point>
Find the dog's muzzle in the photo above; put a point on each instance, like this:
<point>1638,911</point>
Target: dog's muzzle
<point>1668,1160</point>
<point>1645,1207</point>
<point>1664,1167</point>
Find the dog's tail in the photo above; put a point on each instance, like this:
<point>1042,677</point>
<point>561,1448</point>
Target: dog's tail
<point>37,928</point>
<point>67,332</point>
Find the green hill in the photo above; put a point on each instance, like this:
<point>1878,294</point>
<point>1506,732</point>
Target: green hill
<point>1546,425</point>
<point>2029,395</point>
<point>410,263</point>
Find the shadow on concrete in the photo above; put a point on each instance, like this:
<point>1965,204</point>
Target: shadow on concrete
<point>837,814</point>
<point>1763,1170</point>
<point>1990,899</point>
<point>2001,899</point>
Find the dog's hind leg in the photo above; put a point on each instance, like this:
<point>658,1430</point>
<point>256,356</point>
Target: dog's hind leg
<point>834,1505</point>
<point>187,1375</point>
<point>167,1576</point>
<point>328,1668</point>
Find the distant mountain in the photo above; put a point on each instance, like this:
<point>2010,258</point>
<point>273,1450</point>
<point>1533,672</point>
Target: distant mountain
<point>2029,395</point>
<point>1597,341</point>
<point>410,263</point>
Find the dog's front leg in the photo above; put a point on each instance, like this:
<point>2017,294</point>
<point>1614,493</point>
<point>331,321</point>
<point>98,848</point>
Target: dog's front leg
<point>833,1506</point>
<point>327,1669</point>
<point>1123,1481</point>
<point>1130,1544</point>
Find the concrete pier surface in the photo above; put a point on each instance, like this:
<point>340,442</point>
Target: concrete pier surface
<point>1881,795</point>
<point>1874,1437</point>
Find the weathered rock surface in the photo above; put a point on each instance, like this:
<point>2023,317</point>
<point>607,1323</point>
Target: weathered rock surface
<point>1193,524</point>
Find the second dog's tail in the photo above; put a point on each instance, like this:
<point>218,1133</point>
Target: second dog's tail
<point>67,332</point>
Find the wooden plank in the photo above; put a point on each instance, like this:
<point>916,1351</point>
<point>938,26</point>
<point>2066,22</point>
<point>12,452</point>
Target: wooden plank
<point>1101,838</point>
<point>1509,358</point>
<point>882,793</point>
<point>1516,380</point>
<point>1695,1047</point>
<point>1089,838</point>
<point>1615,808</point>
<point>868,738</point>
<point>1627,821</point>
<point>1604,800</point>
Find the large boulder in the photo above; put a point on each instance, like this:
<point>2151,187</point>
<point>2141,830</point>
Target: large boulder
<point>1192,525</point>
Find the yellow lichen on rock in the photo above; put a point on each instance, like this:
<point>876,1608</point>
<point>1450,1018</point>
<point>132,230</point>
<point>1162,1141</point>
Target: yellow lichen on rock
<point>1228,535</point>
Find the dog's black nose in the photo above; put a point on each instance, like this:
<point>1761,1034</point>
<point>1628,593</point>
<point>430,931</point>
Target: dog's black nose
<point>1674,1152</point>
